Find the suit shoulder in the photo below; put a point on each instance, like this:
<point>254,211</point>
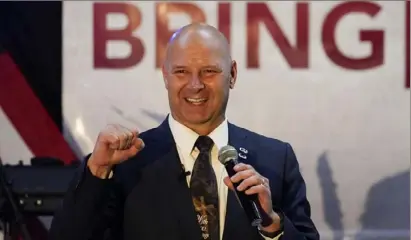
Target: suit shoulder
<point>261,140</point>
<point>148,134</point>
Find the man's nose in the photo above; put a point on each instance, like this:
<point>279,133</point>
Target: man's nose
<point>196,83</point>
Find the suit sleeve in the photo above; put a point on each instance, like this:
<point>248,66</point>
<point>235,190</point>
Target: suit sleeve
<point>296,208</point>
<point>91,209</point>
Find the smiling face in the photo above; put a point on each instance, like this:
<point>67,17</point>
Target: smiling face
<point>198,76</point>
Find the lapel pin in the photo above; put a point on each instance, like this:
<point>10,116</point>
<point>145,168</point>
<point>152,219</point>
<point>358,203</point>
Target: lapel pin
<point>243,153</point>
<point>243,150</point>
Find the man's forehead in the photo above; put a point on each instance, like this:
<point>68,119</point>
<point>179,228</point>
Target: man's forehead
<point>196,54</point>
<point>183,62</point>
<point>198,45</point>
<point>198,48</point>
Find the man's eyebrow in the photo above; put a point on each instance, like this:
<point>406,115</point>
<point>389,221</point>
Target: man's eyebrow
<point>213,66</point>
<point>207,66</point>
<point>177,66</point>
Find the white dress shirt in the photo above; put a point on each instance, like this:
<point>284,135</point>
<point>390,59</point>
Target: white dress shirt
<point>185,139</point>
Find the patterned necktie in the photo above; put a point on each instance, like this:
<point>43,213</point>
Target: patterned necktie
<point>203,185</point>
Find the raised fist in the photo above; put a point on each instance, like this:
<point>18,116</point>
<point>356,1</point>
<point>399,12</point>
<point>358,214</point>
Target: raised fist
<point>114,145</point>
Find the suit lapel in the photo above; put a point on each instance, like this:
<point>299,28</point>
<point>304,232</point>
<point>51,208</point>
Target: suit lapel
<point>236,224</point>
<point>171,172</point>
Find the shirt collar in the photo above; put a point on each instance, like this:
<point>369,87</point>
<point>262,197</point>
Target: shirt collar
<point>185,138</point>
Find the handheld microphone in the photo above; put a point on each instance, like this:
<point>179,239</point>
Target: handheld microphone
<point>228,156</point>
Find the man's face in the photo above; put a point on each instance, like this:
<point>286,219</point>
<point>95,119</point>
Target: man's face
<point>197,78</point>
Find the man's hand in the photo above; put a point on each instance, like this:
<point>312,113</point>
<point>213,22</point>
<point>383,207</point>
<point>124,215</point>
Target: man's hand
<point>114,145</point>
<point>254,183</point>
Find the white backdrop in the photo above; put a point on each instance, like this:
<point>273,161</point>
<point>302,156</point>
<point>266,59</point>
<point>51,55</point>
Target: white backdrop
<point>348,127</point>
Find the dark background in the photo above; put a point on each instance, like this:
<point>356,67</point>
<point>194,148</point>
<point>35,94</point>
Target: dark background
<point>31,33</point>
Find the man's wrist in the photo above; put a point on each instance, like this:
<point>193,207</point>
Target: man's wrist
<point>102,172</point>
<point>276,227</point>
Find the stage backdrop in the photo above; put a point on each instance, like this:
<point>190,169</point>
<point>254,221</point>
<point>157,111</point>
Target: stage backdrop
<point>328,77</point>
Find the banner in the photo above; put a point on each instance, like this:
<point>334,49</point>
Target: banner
<point>331,78</point>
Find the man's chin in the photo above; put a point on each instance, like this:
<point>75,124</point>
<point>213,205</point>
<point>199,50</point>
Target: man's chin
<point>197,119</point>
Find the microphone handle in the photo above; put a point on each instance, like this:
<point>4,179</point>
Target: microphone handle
<point>249,203</point>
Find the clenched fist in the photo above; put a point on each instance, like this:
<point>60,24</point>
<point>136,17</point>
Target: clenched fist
<point>114,145</point>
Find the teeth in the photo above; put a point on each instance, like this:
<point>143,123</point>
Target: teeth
<point>196,100</point>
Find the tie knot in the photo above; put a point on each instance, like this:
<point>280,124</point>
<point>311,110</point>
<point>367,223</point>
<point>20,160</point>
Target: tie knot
<point>204,143</point>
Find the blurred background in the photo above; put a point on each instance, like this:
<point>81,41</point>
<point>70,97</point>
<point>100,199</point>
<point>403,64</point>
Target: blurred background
<point>330,77</point>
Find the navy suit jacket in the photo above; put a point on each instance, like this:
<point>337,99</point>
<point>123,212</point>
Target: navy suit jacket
<point>148,197</point>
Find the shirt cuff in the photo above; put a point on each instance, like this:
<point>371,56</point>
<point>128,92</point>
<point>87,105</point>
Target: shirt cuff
<point>274,238</point>
<point>110,175</point>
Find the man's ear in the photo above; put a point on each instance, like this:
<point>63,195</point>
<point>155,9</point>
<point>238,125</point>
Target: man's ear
<point>233,74</point>
<point>165,76</point>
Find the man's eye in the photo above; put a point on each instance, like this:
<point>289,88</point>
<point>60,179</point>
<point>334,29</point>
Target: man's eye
<point>210,71</point>
<point>180,71</point>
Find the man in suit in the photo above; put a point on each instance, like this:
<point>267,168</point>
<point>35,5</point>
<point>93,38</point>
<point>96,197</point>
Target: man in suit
<point>137,186</point>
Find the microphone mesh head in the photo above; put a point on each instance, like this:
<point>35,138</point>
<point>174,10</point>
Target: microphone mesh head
<point>227,153</point>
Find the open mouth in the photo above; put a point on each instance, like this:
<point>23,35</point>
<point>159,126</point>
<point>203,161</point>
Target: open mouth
<point>196,101</point>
